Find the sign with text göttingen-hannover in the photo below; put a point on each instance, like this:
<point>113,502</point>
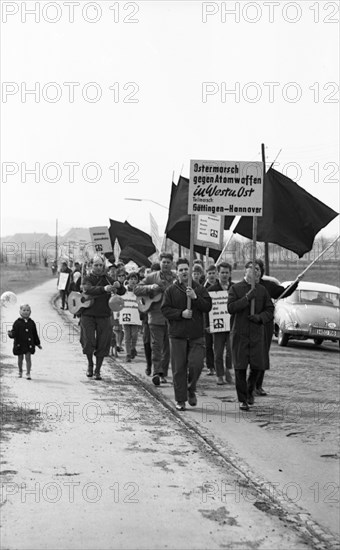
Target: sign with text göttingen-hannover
<point>225,188</point>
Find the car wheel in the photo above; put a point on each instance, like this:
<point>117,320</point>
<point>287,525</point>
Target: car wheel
<point>282,338</point>
<point>318,341</point>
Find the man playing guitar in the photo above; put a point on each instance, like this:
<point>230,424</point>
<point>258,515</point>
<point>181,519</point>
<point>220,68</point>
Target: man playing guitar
<point>151,287</point>
<point>95,322</point>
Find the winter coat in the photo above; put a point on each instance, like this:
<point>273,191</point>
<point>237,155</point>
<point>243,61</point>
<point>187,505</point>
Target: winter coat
<point>25,334</point>
<point>93,286</point>
<point>155,315</point>
<point>175,302</point>
<point>248,339</point>
<point>274,290</point>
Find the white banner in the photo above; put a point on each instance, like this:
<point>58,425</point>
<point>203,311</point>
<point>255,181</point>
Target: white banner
<point>155,233</point>
<point>129,315</point>
<point>226,188</point>
<point>100,239</point>
<point>219,318</point>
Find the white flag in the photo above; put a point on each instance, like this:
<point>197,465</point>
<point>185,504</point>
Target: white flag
<point>155,233</point>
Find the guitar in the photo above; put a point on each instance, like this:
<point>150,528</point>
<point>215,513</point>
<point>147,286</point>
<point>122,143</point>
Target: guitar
<point>76,301</point>
<point>144,302</point>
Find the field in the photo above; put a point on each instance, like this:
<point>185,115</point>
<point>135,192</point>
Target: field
<point>319,273</point>
<point>19,278</point>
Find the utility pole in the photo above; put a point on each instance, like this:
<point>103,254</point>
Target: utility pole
<point>266,245</point>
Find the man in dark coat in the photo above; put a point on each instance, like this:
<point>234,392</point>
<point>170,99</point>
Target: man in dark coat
<point>95,321</point>
<point>274,290</point>
<point>186,333</point>
<point>153,286</point>
<point>66,290</point>
<point>221,340</point>
<point>247,334</point>
<point>209,343</point>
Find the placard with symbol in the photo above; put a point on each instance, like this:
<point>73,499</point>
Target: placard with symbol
<point>129,315</point>
<point>100,239</point>
<point>219,318</point>
<point>208,231</point>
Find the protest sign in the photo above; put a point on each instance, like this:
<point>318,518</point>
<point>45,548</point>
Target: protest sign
<point>209,231</point>
<point>219,318</point>
<point>129,315</point>
<point>225,188</point>
<point>62,282</point>
<point>100,239</point>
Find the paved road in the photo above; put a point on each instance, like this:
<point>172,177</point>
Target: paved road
<point>111,464</point>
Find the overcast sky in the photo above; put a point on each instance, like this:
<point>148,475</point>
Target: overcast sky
<point>143,87</point>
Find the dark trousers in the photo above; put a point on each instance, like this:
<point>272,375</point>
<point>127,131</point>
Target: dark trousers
<point>221,342</point>
<point>95,335</point>
<point>268,329</point>
<point>131,336</point>
<point>187,357</point>
<point>245,386</point>
<point>147,344</point>
<point>63,296</point>
<point>160,349</point>
<point>209,351</point>
<point>146,332</point>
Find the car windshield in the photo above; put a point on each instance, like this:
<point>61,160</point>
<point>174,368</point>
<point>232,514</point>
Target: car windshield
<point>315,297</point>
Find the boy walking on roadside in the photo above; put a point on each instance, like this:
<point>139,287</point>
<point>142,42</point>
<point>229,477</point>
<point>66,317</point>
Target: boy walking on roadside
<point>130,317</point>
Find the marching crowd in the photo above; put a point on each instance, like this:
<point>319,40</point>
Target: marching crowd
<point>173,320</point>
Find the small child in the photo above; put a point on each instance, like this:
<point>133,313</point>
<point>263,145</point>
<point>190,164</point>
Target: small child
<point>130,328</point>
<point>117,326</point>
<point>25,334</point>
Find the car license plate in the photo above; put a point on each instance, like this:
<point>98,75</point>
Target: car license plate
<point>326,332</point>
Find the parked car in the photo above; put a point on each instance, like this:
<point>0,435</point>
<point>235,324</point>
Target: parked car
<point>311,312</point>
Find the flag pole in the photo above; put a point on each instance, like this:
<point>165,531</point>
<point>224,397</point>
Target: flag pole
<point>307,268</point>
<point>231,229</point>
<point>191,255</point>
<point>252,302</point>
<point>206,257</point>
<point>266,244</point>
